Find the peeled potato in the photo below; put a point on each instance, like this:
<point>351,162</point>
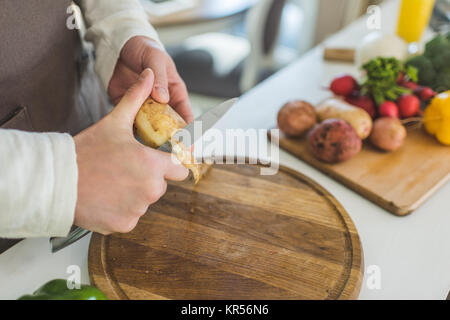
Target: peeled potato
<point>156,123</point>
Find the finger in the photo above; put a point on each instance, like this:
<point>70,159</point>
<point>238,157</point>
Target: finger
<point>160,90</point>
<point>122,79</point>
<point>179,100</point>
<point>132,101</point>
<point>126,224</point>
<point>175,170</point>
<point>171,168</point>
<point>157,189</point>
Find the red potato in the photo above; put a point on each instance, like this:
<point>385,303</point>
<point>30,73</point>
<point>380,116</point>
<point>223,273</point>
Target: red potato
<point>388,134</point>
<point>296,118</point>
<point>334,141</point>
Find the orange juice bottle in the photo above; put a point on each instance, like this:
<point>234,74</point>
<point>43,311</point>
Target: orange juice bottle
<point>414,18</point>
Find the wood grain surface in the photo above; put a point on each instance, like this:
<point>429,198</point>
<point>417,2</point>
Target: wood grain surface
<point>399,182</point>
<point>235,235</point>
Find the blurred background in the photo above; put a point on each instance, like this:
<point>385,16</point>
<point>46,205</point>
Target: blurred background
<point>223,48</point>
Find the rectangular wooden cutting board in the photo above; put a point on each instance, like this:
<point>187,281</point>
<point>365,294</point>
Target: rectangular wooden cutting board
<point>399,182</point>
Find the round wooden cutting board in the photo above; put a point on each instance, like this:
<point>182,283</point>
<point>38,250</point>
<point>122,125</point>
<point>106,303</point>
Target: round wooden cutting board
<point>236,235</point>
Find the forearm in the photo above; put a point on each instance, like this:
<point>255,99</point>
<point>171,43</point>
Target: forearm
<point>110,24</point>
<point>38,184</point>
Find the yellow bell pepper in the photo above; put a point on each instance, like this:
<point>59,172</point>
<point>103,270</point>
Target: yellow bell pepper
<point>437,117</point>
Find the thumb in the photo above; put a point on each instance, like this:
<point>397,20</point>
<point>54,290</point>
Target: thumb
<point>133,99</point>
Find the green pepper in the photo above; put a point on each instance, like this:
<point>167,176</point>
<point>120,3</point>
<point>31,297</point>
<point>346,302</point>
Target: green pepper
<point>57,290</point>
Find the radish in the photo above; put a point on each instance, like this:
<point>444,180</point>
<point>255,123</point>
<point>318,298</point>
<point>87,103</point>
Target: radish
<point>388,109</point>
<point>343,85</point>
<point>401,78</point>
<point>409,105</point>
<point>410,85</point>
<point>363,102</point>
<point>426,93</point>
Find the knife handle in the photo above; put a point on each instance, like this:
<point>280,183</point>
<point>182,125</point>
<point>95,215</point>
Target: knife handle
<point>74,235</point>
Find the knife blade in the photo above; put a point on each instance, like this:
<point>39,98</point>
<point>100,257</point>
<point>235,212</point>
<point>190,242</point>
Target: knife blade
<point>208,120</point>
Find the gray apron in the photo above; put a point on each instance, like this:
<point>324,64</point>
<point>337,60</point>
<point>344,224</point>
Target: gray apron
<point>47,82</point>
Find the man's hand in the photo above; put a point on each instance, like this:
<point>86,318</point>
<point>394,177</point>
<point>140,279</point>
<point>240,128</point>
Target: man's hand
<point>140,53</point>
<point>118,178</point>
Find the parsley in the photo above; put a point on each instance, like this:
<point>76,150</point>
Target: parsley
<point>381,79</point>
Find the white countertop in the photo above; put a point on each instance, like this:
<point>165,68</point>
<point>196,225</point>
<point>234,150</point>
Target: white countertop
<point>412,253</point>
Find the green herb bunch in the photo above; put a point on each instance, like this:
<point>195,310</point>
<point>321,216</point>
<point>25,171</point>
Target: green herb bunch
<point>381,79</point>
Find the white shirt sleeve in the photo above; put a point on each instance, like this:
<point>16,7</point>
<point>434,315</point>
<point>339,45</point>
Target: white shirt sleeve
<point>38,184</point>
<point>39,174</point>
<point>110,24</point>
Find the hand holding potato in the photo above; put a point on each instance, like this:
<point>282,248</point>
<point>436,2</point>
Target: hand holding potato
<point>139,53</point>
<point>119,177</point>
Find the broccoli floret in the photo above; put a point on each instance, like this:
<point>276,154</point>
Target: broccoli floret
<point>441,60</point>
<point>426,70</point>
<point>439,45</point>
<point>438,51</point>
<point>442,81</point>
<point>434,64</point>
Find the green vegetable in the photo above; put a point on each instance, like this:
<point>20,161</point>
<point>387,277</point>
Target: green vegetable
<point>442,81</point>
<point>427,74</point>
<point>58,290</point>
<point>381,79</point>
<point>442,60</point>
<point>434,64</point>
<point>437,46</point>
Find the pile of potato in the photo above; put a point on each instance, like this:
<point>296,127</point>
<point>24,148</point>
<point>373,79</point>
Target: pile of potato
<point>335,129</point>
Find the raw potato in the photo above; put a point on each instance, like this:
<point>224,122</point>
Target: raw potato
<point>334,141</point>
<point>296,118</point>
<point>156,123</point>
<point>388,134</point>
<point>358,118</point>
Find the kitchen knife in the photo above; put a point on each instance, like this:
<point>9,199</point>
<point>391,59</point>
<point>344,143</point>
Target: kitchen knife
<point>208,120</point>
